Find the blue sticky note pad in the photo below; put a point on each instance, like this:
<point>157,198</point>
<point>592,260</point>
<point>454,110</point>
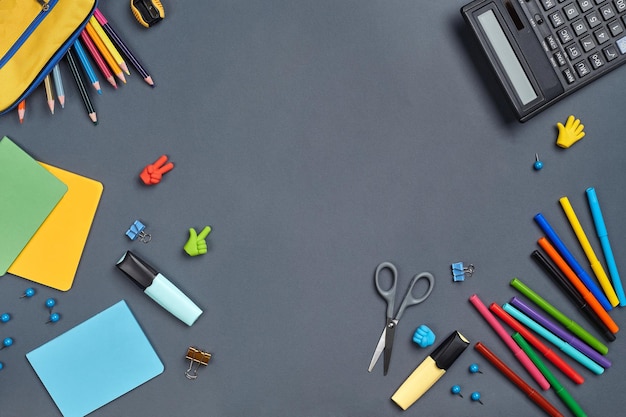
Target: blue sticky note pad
<point>96,362</point>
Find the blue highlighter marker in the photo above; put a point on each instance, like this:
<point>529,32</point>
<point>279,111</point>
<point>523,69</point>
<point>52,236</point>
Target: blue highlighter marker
<point>572,262</point>
<point>603,235</point>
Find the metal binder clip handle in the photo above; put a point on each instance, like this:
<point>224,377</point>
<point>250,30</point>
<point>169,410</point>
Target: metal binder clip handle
<point>196,358</point>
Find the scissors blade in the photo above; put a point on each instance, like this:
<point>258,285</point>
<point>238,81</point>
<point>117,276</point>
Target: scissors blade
<point>379,349</point>
<point>390,333</point>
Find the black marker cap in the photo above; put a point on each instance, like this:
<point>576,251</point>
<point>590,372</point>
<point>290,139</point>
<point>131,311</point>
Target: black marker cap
<point>137,270</point>
<point>449,350</point>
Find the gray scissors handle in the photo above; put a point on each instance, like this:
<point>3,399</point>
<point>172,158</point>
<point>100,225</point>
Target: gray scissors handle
<point>390,294</point>
<point>409,299</point>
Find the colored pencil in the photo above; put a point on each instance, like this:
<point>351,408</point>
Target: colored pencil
<point>123,47</point>
<point>115,68</point>
<point>109,45</point>
<point>47,82</point>
<point>21,110</point>
<point>58,85</point>
<point>81,86</point>
<point>548,353</point>
<point>594,263</point>
<point>506,338</point>
<point>565,396</point>
<point>536,397</point>
<point>568,288</point>
<point>97,57</point>
<point>82,57</point>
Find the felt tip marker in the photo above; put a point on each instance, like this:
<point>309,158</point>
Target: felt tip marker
<point>603,235</point>
<point>568,288</point>
<point>159,288</point>
<point>572,262</point>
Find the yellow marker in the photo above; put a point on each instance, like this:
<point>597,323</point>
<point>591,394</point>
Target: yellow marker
<point>595,264</point>
<point>109,45</point>
<point>430,370</point>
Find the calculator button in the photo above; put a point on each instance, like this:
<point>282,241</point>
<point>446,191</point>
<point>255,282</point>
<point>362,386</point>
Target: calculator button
<point>552,43</point>
<point>602,36</point>
<point>616,28</point>
<point>557,19</point>
<point>596,60</point>
<point>610,53</point>
<point>570,11</point>
<point>579,27</point>
<point>559,57</point>
<point>573,51</point>
<point>569,75</point>
<point>620,5</point>
<point>565,34</point>
<point>548,4</point>
<point>582,68</point>
<point>607,12</point>
<point>587,43</point>
<point>585,5</point>
<point>599,1</point>
<point>621,44</point>
<point>593,19</point>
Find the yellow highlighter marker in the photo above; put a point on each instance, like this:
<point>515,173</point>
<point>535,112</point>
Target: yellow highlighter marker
<point>109,45</point>
<point>595,264</point>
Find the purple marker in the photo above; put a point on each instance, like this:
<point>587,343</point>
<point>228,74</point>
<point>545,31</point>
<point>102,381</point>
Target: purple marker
<point>557,330</point>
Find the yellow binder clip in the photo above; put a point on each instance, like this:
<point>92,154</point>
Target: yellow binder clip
<point>196,358</point>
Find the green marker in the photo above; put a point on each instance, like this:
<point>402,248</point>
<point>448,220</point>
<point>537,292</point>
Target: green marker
<point>565,396</point>
<point>569,324</point>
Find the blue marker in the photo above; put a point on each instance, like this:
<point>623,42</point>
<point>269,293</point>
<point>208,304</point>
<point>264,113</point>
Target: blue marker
<point>550,337</point>
<point>603,235</point>
<point>572,262</point>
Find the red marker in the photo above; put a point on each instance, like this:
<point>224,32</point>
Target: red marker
<point>545,351</point>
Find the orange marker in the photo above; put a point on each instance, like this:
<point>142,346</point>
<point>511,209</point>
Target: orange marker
<point>105,52</point>
<point>577,283</point>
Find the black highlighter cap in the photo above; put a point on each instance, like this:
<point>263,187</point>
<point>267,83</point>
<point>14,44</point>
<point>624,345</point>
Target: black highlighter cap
<point>449,350</point>
<point>137,270</point>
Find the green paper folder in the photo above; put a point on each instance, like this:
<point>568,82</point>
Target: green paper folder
<point>28,193</point>
<point>96,362</point>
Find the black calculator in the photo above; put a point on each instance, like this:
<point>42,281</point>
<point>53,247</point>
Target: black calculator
<point>544,50</point>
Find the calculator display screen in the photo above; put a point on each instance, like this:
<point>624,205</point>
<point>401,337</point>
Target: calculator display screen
<point>509,61</point>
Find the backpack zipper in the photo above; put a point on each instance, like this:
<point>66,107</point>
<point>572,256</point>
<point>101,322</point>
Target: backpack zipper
<point>46,7</point>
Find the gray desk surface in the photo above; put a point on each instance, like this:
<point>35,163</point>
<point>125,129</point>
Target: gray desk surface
<point>317,138</point>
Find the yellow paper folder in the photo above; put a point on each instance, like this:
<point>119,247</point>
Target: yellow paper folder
<point>52,255</point>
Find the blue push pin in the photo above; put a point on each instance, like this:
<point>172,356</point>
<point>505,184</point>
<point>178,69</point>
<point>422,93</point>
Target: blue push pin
<point>50,302</point>
<point>6,342</point>
<point>136,230</point>
<point>1,366</point>
<point>54,317</point>
<point>538,164</point>
<point>456,390</point>
<point>476,397</point>
<point>28,293</point>
<point>5,318</point>
<point>473,368</point>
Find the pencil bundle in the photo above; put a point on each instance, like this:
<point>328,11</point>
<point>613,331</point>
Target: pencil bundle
<point>99,46</point>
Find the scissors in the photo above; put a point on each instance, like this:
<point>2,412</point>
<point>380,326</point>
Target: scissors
<point>385,343</point>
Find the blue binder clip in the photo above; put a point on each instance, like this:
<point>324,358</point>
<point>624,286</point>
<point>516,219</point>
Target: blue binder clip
<point>459,271</point>
<point>136,231</point>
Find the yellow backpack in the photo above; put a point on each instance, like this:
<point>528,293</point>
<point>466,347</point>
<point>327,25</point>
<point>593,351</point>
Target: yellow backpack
<point>34,36</point>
